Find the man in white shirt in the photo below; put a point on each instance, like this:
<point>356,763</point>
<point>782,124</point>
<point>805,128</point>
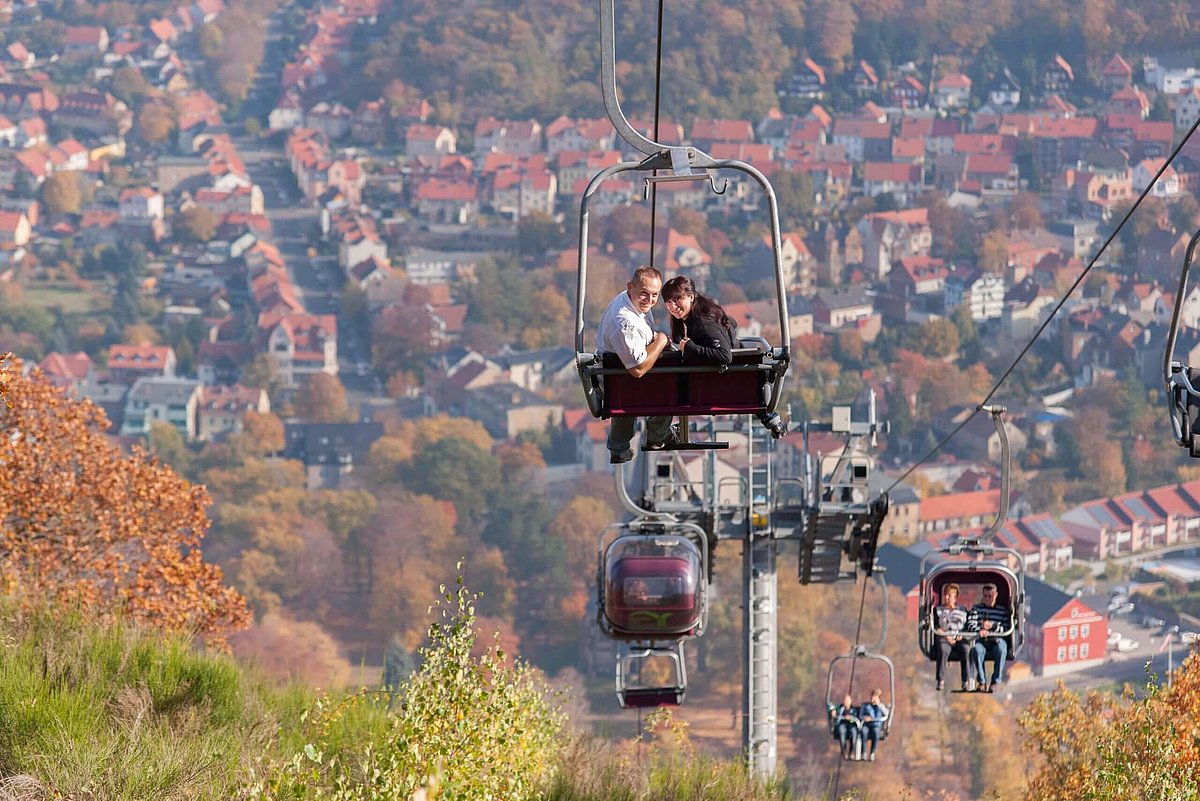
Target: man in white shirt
<point>627,329</point>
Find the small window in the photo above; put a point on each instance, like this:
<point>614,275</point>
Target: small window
<point>1062,653</point>
<point>1073,652</point>
<point>1074,632</point>
<point>1083,651</point>
<point>1085,630</point>
<point>1062,634</point>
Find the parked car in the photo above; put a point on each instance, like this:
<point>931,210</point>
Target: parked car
<point>1114,637</point>
<point>1116,601</point>
<point>1151,622</point>
<point>1189,637</point>
<point>1123,609</point>
<point>1125,645</point>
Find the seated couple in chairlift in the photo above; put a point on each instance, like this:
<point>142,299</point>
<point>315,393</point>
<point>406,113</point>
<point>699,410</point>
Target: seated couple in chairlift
<point>852,726</point>
<point>974,636</point>
<point>701,332</point>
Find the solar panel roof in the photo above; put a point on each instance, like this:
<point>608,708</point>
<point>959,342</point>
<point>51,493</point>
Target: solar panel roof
<point>1103,516</point>
<point>1045,529</point>
<point>1139,508</point>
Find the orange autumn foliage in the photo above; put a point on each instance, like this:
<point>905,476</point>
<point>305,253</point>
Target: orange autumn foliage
<point>84,523</point>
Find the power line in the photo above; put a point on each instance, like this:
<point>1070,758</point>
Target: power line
<point>837,776</point>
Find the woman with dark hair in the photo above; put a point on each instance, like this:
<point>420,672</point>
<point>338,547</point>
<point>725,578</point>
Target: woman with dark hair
<point>700,328</point>
<point>704,332</point>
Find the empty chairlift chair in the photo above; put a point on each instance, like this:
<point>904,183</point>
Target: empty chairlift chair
<point>1182,380</point>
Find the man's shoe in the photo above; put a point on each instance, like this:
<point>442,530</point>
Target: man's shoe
<point>941,685</point>
<point>620,457</point>
<point>872,757</point>
<point>656,445</point>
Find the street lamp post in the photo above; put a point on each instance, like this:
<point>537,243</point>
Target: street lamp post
<point>1171,632</point>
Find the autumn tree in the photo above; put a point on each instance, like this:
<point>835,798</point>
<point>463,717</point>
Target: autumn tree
<point>456,470</point>
<point>1101,745</point>
<point>322,399</point>
<point>128,84</point>
<point>263,373</point>
<point>937,338</point>
<point>1100,457</point>
<point>197,224</point>
<point>537,233</point>
<point>61,193</point>
<point>155,121</point>
<point>402,560</point>
<point>1025,212</point>
<point>835,26</point>
<point>993,252</point>
<point>264,430</point>
<point>284,554</point>
<point>794,195</point>
<point>82,522</point>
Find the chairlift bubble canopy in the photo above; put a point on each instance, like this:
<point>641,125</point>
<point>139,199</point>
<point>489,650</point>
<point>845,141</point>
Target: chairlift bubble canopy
<point>653,587</point>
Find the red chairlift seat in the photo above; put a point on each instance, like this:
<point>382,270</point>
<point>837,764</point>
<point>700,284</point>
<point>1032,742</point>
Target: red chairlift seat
<point>749,385</point>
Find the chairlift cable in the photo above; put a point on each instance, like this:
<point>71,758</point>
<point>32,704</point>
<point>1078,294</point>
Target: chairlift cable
<point>657,107</point>
<point>837,776</point>
<point>1057,307</point>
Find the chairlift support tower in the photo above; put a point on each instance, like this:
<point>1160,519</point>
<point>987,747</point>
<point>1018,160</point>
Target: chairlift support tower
<point>757,519</point>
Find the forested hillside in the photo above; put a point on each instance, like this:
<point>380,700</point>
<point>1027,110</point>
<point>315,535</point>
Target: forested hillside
<point>541,57</point>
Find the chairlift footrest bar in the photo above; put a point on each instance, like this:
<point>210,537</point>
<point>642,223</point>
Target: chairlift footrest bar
<point>689,446</point>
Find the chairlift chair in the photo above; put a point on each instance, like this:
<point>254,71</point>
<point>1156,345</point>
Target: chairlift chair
<point>1182,380</point>
<point>652,580</point>
<point>972,562</point>
<point>874,657</point>
<point>651,675</point>
<point>832,696</point>
<point>752,384</point>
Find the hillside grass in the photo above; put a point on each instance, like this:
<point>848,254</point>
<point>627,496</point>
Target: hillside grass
<point>115,712</point>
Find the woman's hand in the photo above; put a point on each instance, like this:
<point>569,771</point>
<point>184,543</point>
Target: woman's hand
<point>682,343</point>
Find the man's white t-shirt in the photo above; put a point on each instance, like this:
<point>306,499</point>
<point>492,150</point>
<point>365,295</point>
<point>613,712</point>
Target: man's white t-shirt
<point>625,331</point>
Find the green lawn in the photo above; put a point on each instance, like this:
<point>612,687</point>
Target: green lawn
<point>71,301</point>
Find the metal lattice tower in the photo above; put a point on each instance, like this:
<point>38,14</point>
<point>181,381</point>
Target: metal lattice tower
<point>759,612</point>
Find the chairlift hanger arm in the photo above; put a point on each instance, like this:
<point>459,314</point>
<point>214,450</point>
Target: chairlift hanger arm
<point>1176,375</point>
<point>982,542</point>
<point>593,187</point>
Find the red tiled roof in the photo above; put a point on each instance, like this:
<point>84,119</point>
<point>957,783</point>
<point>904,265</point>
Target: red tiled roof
<point>962,504</point>
<point>152,358</point>
<point>60,365</point>
<point>887,171</point>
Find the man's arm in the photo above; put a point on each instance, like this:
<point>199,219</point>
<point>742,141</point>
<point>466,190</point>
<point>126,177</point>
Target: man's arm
<point>653,351</point>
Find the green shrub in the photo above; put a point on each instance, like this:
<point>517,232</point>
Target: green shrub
<point>464,727</point>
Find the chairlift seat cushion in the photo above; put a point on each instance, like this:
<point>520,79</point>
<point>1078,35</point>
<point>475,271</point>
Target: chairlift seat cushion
<point>742,389</point>
<point>658,696</point>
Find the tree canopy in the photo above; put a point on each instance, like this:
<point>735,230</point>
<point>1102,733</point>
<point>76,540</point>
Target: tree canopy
<point>83,522</point>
